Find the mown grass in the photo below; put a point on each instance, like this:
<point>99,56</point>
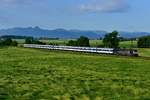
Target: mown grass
<point>59,42</point>
<point>128,44</point>
<point>144,52</point>
<point>30,74</point>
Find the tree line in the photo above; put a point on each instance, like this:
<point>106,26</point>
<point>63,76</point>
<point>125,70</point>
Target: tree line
<point>31,40</point>
<point>8,42</point>
<point>14,37</point>
<point>82,41</point>
<point>110,40</point>
<point>144,42</point>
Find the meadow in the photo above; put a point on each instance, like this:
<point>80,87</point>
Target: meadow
<point>34,74</point>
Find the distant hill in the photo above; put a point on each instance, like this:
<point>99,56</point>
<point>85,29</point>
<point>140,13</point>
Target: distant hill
<point>64,34</point>
<point>133,34</point>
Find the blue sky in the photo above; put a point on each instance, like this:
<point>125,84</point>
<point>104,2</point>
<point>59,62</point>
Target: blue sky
<point>108,15</point>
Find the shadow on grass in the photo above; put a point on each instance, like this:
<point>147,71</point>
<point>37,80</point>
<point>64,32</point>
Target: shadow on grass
<point>4,94</point>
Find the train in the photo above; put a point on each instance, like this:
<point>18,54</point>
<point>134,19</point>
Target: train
<point>112,51</point>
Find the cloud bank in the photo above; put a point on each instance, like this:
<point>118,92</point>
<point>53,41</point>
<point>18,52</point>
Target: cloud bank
<point>109,6</point>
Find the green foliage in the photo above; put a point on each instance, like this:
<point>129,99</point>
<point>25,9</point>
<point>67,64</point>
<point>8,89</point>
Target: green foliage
<point>29,74</point>
<point>33,41</point>
<point>72,43</point>
<point>144,42</point>
<point>83,41</point>
<point>8,42</point>
<point>38,42</point>
<point>14,43</point>
<point>29,40</point>
<point>111,40</point>
<point>14,37</point>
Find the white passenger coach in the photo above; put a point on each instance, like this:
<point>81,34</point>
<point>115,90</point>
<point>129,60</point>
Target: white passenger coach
<point>124,52</point>
<point>72,48</point>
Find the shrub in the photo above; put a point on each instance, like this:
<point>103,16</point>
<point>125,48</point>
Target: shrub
<point>144,42</point>
<point>72,43</point>
<point>14,43</point>
<point>83,42</point>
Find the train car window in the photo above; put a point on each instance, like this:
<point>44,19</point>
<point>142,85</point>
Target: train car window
<point>131,52</point>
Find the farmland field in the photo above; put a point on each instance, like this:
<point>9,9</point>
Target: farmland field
<point>33,74</point>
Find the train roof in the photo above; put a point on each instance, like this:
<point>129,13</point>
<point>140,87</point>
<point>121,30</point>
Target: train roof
<point>77,47</point>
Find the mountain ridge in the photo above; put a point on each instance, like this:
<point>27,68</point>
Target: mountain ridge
<point>65,34</point>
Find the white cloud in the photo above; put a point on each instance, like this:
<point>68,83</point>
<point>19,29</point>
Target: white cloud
<point>105,6</point>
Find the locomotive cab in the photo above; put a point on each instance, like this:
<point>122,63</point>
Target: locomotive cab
<point>134,53</point>
<point>126,52</point>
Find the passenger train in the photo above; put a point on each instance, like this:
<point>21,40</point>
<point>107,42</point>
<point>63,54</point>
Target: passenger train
<point>124,52</point>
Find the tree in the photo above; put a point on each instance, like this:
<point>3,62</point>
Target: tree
<point>83,42</point>
<point>1,42</point>
<point>33,41</point>
<point>14,43</point>
<point>38,42</point>
<point>111,40</point>
<point>144,42</point>
<point>7,41</point>
<point>72,43</point>
<point>29,40</point>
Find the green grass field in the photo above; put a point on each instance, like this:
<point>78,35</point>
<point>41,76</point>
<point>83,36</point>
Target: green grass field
<point>59,42</point>
<point>20,41</point>
<point>145,52</point>
<point>128,44</point>
<point>32,74</point>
